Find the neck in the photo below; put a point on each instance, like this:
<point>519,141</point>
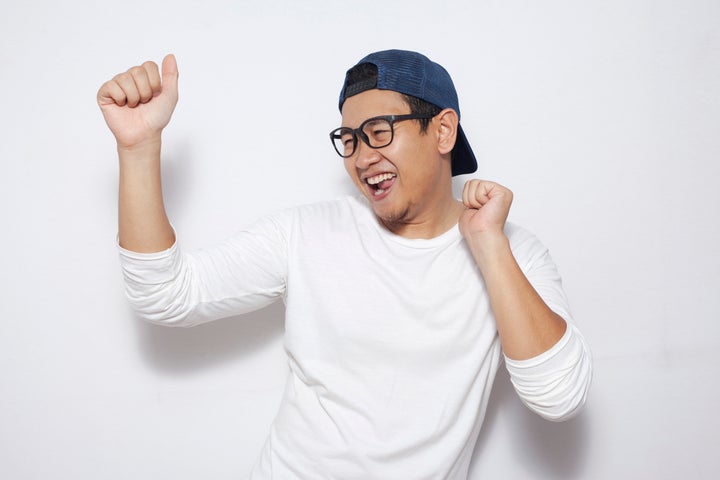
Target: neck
<point>430,224</point>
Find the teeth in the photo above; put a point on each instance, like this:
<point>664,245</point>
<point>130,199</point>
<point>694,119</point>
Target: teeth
<point>378,192</point>
<point>380,178</point>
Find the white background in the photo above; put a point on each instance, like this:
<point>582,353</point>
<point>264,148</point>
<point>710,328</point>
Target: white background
<point>601,116</point>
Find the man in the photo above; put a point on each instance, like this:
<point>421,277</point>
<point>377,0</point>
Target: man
<point>401,302</point>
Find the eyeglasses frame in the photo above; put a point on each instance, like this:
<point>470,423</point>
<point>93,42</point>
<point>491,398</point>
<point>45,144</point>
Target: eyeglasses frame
<point>358,132</point>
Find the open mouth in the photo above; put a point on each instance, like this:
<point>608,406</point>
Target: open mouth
<point>380,183</point>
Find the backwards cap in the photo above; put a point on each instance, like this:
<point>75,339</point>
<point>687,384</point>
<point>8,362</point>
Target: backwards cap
<point>413,74</point>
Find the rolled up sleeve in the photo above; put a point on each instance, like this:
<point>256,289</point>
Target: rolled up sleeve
<point>555,383</point>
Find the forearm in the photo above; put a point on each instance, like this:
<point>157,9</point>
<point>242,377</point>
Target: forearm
<point>526,325</point>
<point>143,225</point>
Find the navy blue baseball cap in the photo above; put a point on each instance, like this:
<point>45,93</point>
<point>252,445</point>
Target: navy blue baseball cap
<point>413,74</point>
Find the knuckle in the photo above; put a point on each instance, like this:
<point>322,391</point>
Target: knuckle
<point>136,71</point>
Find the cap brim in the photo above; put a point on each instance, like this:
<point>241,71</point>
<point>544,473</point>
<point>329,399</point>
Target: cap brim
<point>463,158</point>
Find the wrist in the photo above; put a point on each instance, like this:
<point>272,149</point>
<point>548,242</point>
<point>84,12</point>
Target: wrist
<point>145,150</point>
<point>137,146</point>
<point>488,247</point>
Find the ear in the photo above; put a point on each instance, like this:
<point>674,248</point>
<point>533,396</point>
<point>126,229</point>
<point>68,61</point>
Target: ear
<point>447,130</point>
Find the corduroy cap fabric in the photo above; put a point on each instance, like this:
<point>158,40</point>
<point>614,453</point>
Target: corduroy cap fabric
<point>414,74</point>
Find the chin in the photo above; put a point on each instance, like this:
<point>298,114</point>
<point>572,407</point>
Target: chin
<point>391,217</point>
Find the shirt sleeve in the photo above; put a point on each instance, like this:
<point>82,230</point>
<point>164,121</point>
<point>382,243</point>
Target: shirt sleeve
<point>244,273</point>
<point>555,383</point>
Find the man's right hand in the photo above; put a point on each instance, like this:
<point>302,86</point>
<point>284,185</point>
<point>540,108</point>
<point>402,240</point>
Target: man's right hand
<point>138,103</point>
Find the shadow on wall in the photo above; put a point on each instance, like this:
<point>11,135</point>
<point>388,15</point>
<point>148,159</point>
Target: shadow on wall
<point>547,450</point>
<point>181,350</point>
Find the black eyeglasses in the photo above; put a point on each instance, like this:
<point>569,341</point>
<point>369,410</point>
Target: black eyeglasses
<point>376,132</point>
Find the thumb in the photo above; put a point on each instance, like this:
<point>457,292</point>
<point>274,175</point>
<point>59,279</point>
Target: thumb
<point>170,75</point>
<point>464,221</point>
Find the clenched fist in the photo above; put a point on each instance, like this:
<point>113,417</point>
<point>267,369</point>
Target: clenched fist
<point>487,205</point>
<point>137,104</point>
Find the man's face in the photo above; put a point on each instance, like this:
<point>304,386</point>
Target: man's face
<point>405,180</point>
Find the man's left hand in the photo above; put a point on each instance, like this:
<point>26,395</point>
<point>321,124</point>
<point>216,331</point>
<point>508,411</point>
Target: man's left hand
<point>486,208</point>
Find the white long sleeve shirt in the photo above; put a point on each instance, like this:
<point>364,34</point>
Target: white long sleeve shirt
<point>391,343</point>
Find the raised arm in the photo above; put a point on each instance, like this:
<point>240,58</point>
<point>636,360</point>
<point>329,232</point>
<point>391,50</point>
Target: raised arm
<point>526,325</point>
<point>137,105</point>
<point>548,361</point>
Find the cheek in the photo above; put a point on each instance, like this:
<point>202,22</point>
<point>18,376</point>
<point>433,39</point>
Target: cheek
<point>422,175</point>
<point>414,162</point>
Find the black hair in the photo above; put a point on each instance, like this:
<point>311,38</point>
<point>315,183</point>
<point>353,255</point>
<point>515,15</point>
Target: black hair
<point>364,77</point>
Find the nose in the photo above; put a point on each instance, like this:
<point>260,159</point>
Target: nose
<point>366,156</point>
